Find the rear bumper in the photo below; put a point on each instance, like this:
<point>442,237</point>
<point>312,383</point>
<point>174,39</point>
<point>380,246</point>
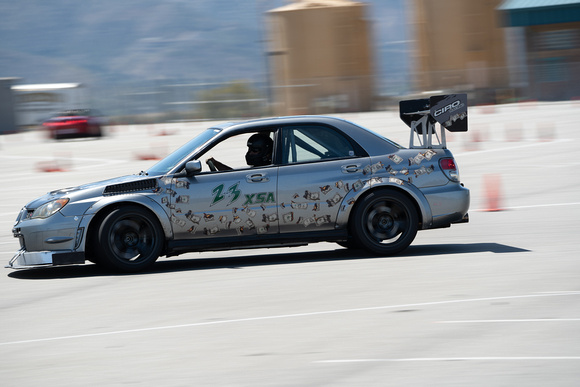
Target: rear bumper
<point>449,204</point>
<point>26,259</point>
<point>465,219</point>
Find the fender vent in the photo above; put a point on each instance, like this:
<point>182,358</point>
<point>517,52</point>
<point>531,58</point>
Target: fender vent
<point>134,186</point>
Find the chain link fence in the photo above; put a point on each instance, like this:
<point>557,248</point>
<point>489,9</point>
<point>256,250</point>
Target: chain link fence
<point>170,101</point>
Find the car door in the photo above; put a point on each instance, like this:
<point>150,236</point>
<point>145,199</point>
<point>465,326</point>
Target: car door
<point>224,204</point>
<point>319,166</point>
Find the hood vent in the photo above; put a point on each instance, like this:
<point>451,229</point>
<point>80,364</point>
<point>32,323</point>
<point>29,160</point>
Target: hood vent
<point>134,186</point>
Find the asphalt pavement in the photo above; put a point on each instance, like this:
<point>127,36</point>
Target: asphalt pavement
<point>495,302</point>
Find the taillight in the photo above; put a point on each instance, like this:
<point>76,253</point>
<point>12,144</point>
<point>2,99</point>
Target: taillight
<point>71,122</point>
<point>449,168</point>
<point>80,121</point>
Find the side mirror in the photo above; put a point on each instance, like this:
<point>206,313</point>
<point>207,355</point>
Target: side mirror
<point>193,167</point>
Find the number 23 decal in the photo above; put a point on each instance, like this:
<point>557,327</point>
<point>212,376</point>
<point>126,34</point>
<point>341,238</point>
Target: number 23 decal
<point>232,192</point>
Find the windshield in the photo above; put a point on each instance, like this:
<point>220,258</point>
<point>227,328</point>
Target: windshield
<point>168,163</point>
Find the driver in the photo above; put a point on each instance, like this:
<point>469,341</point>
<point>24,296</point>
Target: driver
<point>259,153</point>
<point>259,150</point>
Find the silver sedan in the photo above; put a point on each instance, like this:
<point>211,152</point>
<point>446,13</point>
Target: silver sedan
<point>262,183</point>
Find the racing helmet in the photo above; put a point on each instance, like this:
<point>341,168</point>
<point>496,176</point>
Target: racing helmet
<point>259,150</point>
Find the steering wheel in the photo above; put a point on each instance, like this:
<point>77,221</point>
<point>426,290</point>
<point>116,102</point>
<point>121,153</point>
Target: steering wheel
<point>211,165</point>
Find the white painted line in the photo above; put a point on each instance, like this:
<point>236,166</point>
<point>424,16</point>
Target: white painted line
<point>559,292</point>
<point>510,321</point>
<point>509,148</point>
<point>486,358</point>
<point>544,205</point>
<point>530,206</point>
<point>284,316</point>
<point>65,158</point>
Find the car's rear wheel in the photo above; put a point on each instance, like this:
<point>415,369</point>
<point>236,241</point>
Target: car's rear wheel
<point>130,239</point>
<point>385,222</point>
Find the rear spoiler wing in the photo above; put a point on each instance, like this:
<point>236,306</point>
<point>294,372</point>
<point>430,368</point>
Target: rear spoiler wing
<point>421,115</point>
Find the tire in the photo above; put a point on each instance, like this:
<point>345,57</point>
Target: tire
<point>98,132</point>
<point>130,239</point>
<point>385,222</point>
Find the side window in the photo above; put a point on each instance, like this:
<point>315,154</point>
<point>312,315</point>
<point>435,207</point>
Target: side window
<point>313,143</point>
<point>240,151</point>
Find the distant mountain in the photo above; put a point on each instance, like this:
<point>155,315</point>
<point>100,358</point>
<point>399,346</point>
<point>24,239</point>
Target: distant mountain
<point>108,41</point>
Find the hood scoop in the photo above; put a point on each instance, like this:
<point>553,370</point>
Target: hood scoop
<point>133,186</point>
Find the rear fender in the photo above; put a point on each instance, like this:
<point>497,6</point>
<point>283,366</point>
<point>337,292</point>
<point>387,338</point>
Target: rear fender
<point>349,201</point>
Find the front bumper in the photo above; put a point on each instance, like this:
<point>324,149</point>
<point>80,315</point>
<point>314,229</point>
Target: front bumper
<point>26,259</point>
<point>54,241</point>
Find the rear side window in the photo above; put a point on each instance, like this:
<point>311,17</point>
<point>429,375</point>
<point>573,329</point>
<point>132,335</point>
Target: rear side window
<point>314,143</point>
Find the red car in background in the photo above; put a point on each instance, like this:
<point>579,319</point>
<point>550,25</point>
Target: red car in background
<point>74,123</point>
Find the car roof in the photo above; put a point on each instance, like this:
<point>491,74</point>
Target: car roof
<point>282,120</point>
<point>372,142</point>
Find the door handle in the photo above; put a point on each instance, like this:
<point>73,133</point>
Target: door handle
<point>351,168</point>
<point>257,178</point>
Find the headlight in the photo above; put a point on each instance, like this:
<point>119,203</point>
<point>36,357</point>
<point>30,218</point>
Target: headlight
<point>48,209</point>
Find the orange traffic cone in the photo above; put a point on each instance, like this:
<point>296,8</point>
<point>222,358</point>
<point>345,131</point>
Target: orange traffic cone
<point>50,166</point>
<point>156,153</point>
<point>473,141</point>
<point>514,132</point>
<point>546,132</point>
<point>57,164</point>
<point>492,185</point>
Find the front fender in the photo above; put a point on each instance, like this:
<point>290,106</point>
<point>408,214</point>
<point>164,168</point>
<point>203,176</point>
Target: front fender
<point>391,183</point>
<point>139,199</point>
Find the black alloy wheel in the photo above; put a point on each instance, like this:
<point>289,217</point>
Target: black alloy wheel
<point>130,239</point>
<point>385,222</point>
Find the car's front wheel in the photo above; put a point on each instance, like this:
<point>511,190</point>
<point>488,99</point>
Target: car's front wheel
<point>385,222</point>
<point>130,239</point>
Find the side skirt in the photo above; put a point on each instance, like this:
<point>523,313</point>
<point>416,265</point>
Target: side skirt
<point>254,241</point>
